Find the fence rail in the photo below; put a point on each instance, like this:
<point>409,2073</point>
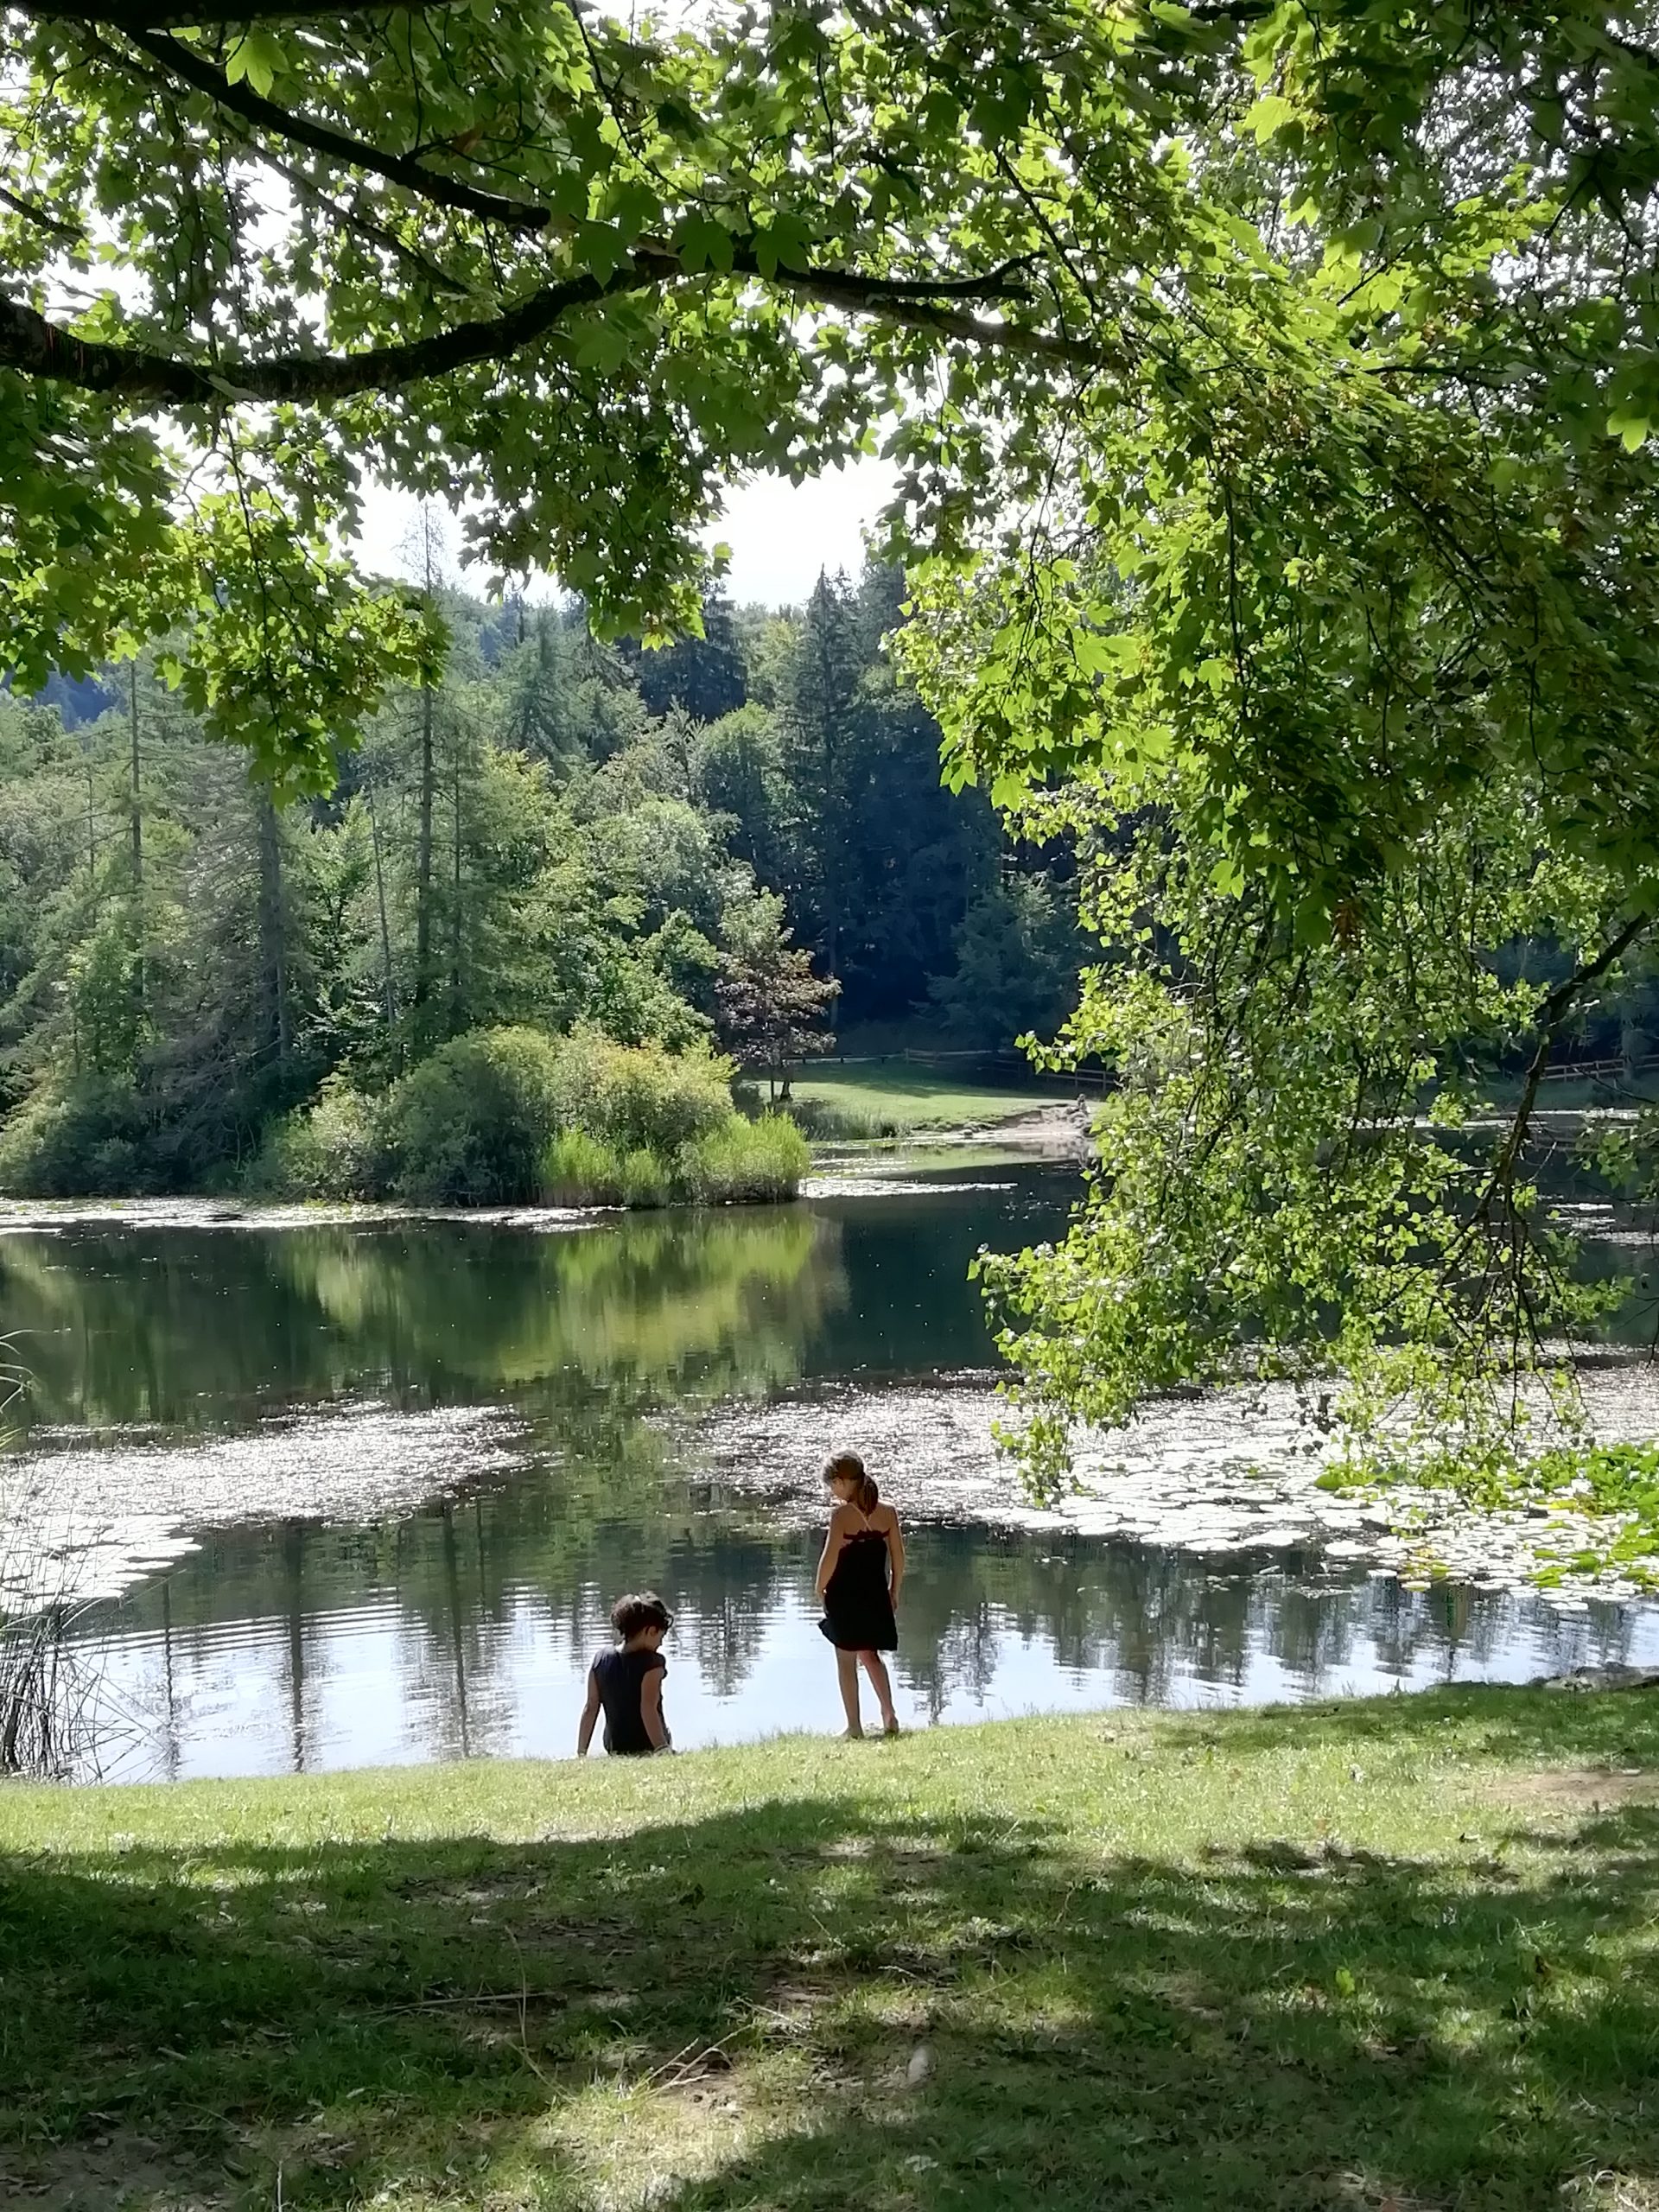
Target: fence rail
<point>1099,1080</point>
<point>1015,1064</point>
<point>1599,1070</point>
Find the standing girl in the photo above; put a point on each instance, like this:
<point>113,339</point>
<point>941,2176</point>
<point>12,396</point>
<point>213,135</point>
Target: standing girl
<point>859,1579</point>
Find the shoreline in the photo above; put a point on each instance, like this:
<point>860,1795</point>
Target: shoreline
<point>1057,1134</point>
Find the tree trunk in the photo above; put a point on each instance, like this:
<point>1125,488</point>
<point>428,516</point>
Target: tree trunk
<point>456,1021</point>
<point>92,832</point>
<point>273,933</point>
<point>389,994</point>
<point>136,806</point>
<point>423,859</point>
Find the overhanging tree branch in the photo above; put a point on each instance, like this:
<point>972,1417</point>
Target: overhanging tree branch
<point>195,69</point>
<point>133,16</point>
<point>30,343</point>
<point>36,346</point>
<point>1552,1012</point>
<point>32,211</point>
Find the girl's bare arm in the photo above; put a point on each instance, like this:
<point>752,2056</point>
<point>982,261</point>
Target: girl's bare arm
<point>895,1557</point>
<point>589,1714</point>
<point>650,1710</point>
<point>832,1544</point>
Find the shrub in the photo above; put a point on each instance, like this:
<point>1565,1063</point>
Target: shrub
<point>646,1180</point>
<point>832,1120</point>
<point>746,1160</point>
<point>471,1125</point>
<point>78,1139</point>
<point>336,1147</point>
<point>577,1170</point>
<point>639,1097</point>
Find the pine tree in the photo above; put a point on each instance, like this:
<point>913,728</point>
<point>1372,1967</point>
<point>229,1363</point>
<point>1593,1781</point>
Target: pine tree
<point>1017,954</point>
<point>820,749</point>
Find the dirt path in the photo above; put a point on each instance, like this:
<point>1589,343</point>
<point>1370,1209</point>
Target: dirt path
<point>1055,1132</point>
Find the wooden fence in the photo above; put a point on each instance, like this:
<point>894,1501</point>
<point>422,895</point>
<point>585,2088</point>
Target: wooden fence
<point>1011,1067</point>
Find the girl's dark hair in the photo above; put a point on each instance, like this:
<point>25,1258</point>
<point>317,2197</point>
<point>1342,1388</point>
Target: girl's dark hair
<point>640,1609</point>
<point>846,1466</point>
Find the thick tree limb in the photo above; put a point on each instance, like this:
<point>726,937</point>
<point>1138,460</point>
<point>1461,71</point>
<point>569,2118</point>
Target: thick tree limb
<point>195,69</point>
<point>917,305</point>
<point>133,16</point>
<point>31,344</point>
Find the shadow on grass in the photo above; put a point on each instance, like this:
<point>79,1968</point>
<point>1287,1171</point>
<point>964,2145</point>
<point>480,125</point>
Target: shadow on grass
<point>828,2003</point>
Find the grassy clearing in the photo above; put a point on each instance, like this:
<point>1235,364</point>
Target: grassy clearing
<point>1393,1954</point>
<point>893,1099</point>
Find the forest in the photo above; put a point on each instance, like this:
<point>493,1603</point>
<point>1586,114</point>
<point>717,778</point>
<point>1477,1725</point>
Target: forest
<point>682,848</point>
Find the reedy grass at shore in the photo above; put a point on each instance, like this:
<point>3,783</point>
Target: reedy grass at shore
<point>1392,1952</point>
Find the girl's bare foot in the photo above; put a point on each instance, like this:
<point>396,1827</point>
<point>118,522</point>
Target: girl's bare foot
<point>889,1727</point>
<point>852,1735</point>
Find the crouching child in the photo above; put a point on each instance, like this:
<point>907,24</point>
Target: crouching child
<point>626,1684</point>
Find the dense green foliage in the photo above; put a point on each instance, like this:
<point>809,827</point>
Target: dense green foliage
<point>515,1117</point>
<point>1271,382</point>
<point>183,963</point>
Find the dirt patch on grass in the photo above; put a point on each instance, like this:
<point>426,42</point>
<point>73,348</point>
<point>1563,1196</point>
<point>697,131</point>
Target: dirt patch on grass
<point>1579,1789</point>
<point>112,2171</point>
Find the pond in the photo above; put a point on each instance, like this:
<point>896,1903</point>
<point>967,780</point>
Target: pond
<point>361,1491</point>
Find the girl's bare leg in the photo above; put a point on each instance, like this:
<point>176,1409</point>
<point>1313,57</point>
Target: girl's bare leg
<point>875,1668</point>
<point>847,1674</point>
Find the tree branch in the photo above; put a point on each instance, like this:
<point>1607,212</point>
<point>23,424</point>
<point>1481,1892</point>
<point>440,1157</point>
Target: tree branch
<point>32,211</point>
<point>31,344</point>
<point>376,233</point>
<point>195,69</point>
<point>135,16</point>
<point>1551,1014</point>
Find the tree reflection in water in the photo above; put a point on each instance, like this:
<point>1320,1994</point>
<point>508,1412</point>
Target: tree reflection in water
<point>463,1627</point>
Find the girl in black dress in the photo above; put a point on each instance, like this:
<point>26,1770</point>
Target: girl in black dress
<point>859,1579</point>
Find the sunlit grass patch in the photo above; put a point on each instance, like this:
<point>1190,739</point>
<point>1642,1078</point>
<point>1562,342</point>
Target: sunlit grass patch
<point>894,1099</point>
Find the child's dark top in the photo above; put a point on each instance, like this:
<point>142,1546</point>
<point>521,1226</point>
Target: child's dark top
<point>621,1675</point>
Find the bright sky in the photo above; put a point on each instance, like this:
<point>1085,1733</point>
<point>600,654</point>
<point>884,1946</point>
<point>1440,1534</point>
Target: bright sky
<point>781,534</point>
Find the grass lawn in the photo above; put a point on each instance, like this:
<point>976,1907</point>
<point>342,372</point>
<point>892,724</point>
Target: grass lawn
<point>1400,1953</point>
<point>891,1098</point>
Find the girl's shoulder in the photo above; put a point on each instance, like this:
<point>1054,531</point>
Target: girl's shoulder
<point>884,1518</point>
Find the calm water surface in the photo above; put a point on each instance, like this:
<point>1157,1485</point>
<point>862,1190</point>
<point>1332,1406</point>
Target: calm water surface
<point>404,1467</point>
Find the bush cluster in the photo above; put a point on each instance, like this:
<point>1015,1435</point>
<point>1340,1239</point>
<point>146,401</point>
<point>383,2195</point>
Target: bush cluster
<point>72,1140</point>
<point>515,1117</point>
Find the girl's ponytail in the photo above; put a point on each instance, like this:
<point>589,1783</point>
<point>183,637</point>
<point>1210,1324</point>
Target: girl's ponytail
<point>848,1467</point>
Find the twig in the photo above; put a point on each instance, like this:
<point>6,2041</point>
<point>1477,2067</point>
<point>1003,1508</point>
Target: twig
<point>682,2061</point>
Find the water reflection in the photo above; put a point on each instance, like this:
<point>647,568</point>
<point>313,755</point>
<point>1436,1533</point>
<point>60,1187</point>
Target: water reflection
<point>459,1632</point>
<point>312,1627</point>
